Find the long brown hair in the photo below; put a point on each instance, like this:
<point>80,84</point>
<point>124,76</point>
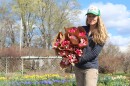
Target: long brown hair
<point>100,34</point>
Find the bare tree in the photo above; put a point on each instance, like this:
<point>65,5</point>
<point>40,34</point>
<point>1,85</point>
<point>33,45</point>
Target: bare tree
<point>126,64</point>
<point>54,16</point>
<point>110,59</point>
<point>6,26</point>
<point>25,12</point>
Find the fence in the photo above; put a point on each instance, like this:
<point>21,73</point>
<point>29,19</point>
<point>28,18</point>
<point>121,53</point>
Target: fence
<point>31,65</point>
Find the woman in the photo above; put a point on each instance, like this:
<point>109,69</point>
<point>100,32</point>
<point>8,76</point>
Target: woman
<point>86,70</point>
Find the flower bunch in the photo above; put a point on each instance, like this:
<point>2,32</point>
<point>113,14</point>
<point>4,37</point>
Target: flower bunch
<point>70,45</point>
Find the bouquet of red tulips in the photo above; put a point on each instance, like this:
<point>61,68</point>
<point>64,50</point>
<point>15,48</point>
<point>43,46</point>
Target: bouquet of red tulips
<point>70,45</point>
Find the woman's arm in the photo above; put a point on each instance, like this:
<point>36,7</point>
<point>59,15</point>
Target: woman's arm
<point>90,54</point>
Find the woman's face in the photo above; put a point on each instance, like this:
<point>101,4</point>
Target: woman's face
<point>92,19</point>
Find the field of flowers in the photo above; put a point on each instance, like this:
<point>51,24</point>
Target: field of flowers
<point>58,80</point>
<point>38,80</point>
<point>113,80</point>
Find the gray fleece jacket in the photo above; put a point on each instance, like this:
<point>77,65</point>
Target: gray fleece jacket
<point>89,59</point>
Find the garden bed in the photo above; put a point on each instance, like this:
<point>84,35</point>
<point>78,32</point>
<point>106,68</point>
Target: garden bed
<point>58,80</point>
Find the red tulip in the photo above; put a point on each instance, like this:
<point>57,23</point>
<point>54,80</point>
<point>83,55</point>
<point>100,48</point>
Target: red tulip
<point>72,30</point>
<point>57,43</point>
<point>65,44</point>
<point>63,53</point>
<point>73,61</point>
<point>78,52</point>
<point>83,43</point>
<point>82,34</point>
<point>64,63</point>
